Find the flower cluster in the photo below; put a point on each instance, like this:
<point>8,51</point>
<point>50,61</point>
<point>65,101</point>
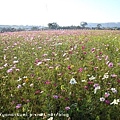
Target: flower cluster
<point>68,72</point>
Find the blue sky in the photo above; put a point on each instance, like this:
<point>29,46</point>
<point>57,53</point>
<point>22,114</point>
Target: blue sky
<point>64,12</point>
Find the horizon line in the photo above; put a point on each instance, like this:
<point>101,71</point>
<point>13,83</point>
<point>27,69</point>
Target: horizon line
<point>52,22</point>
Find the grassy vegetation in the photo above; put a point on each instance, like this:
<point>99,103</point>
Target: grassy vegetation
<point>74,72</point>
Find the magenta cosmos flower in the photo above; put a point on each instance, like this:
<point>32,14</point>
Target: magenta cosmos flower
<point>118,80</point>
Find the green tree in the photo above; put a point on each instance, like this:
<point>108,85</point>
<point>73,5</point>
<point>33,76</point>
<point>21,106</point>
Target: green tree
<point>34,28</point>
<point>53,25</point>
<point>99,26</point>
<point>83,24</point>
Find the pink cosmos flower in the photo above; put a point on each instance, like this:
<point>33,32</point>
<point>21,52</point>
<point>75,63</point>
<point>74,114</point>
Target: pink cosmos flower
<point>37,60</point>
<point>55,96</point>
<point>106,57</point>
<point>37,92</point>
<point>86,87</point>
<point>114,75</point>
<point>18,106</point>
<point>90,82</point>
<point>44,55</point>
<point>80,69</point>
<point>107,94</point>
<point>10,70</point>
<point>67,108</point>
<point>47,82</point>
<point>110,65</point>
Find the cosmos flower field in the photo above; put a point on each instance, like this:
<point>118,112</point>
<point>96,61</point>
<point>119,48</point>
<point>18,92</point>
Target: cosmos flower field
<point>70,72</point>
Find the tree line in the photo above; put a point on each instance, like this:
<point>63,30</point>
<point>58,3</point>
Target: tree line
<point>82,25</point>
<point>55,26</point>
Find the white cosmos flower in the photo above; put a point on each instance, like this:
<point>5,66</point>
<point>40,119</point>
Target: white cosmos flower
<point>115,102</point>
<point>92,78</point>
<point>23,84</point>
<point>19,79</point>
<point>51,118</point>
<point>31,84</point>
<point>73,81</point>
<point>5,65</point>
<point>64,54</point>
<point>19,86</point>
<point>83,80</point>
<point>15,57</point>
<point>102,99</point>
<point>113,90</point>
<point>105,76</point>
<point>39,63</point>
<point>25,77</point>
<point>15,61</point>
<point>96,88</point>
